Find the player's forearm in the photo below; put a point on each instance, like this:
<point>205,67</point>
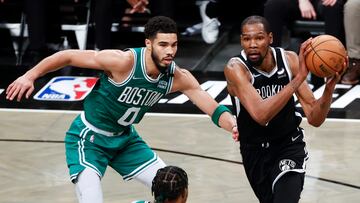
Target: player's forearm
<point>321,109</point>
<point>273,105</point>
<point>48,64</point>
<point>227,121</point>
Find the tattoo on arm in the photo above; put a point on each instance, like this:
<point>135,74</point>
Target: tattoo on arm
<point>232,62</point>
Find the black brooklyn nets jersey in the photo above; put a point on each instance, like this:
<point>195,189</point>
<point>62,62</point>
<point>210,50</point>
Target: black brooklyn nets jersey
<point>267,85</point>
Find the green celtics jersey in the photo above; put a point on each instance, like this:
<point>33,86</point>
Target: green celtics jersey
<point>113,106</point>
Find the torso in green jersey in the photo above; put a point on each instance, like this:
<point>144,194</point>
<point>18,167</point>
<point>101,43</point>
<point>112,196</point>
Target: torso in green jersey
<point>114,106</point>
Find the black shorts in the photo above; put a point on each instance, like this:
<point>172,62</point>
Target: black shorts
<point>266,162</point>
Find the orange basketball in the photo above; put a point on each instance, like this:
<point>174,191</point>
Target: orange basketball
<point>326,57</point>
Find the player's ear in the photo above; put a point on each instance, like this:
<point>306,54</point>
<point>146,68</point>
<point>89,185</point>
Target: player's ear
<point>148,44</point>
<point>271,37</point>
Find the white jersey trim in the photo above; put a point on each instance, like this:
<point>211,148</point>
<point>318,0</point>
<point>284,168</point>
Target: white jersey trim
<point>171,79</point>
<point>238,59</point>
<point>130,75</point>
<point>143,68</point>
<point>272,72</point>
<point>286,63</point>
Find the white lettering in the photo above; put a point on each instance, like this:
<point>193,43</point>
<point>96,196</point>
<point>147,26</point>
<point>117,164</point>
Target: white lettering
<point>132,94</point>
<point>139,96</point>
<point>148,99</point>
<point>53,96</point>
<point>156,98</point>
<point>124,94</point>
<point>268,91</point>
<point>215,88</point>
<point>135,96</point>
<point>147,93</point>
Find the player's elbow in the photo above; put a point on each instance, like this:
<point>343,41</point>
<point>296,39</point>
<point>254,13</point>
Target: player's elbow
<point>261,119</point>
<point>315,122</point>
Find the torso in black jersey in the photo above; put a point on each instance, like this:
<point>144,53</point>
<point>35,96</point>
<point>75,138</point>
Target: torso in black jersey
<point>267,85</point>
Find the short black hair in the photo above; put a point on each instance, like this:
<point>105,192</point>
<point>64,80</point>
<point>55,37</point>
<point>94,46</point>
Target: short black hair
<point>159,24</point>
<point>254,20</point>
<point>169,183</point>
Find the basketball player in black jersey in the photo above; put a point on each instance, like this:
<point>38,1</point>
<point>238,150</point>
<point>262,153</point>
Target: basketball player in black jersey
<point>262,81</point>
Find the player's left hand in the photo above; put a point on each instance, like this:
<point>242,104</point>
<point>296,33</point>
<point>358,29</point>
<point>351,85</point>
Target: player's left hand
<point>235,133</point>
<point>20,87</point>
<point>333,80</point>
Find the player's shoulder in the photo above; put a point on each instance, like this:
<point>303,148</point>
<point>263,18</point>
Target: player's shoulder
<point>234,62</point>
<point>183,80</point>
<point>181,72</point>
<point>116,53</point>
<point>291,55</point>
<point>293,61</point>
<point>235,66</point>
<point>115,60</point>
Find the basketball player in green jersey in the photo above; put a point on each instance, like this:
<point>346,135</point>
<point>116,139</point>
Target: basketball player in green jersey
<point>132,81</point>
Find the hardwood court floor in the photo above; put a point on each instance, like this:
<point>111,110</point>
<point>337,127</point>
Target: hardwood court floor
<point>33,169</point>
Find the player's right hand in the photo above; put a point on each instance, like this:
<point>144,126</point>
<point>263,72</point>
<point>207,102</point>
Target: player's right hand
<point>304,50</point>
<point>19,87</point>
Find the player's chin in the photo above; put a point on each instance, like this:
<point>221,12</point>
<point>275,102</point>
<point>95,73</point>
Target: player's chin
<point>165,64</point>
<point>254,57</point>
<point>255,62</point>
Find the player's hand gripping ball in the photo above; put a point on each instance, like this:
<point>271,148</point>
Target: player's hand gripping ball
<point>327,56</point>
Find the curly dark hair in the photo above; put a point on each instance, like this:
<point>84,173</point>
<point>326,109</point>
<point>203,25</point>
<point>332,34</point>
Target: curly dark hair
<point>169,183</point>
<point>159,24</point>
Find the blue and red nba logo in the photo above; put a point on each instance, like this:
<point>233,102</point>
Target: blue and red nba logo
<point>66,88</point>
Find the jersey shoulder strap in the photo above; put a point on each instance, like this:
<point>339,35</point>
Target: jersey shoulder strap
<point>279,58</point>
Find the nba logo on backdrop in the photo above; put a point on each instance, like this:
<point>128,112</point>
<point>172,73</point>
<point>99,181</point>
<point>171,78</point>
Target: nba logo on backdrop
<point>66,88</point>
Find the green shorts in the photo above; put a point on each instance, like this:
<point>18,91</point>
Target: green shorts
<point>127,153</point>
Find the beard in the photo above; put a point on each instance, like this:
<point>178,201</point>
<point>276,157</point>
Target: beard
<point>162,69</point>
<point>259,61</point>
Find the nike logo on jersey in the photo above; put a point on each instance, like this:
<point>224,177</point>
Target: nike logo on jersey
<point>135,78</point>
<point>295,138</point>
<point>281,71</point>
<point>257,75</point>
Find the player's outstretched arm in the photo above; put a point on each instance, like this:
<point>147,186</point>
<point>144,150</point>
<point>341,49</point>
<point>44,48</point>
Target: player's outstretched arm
<point>185,82</point>
<point>315,110</point>
<point>24,85</point>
